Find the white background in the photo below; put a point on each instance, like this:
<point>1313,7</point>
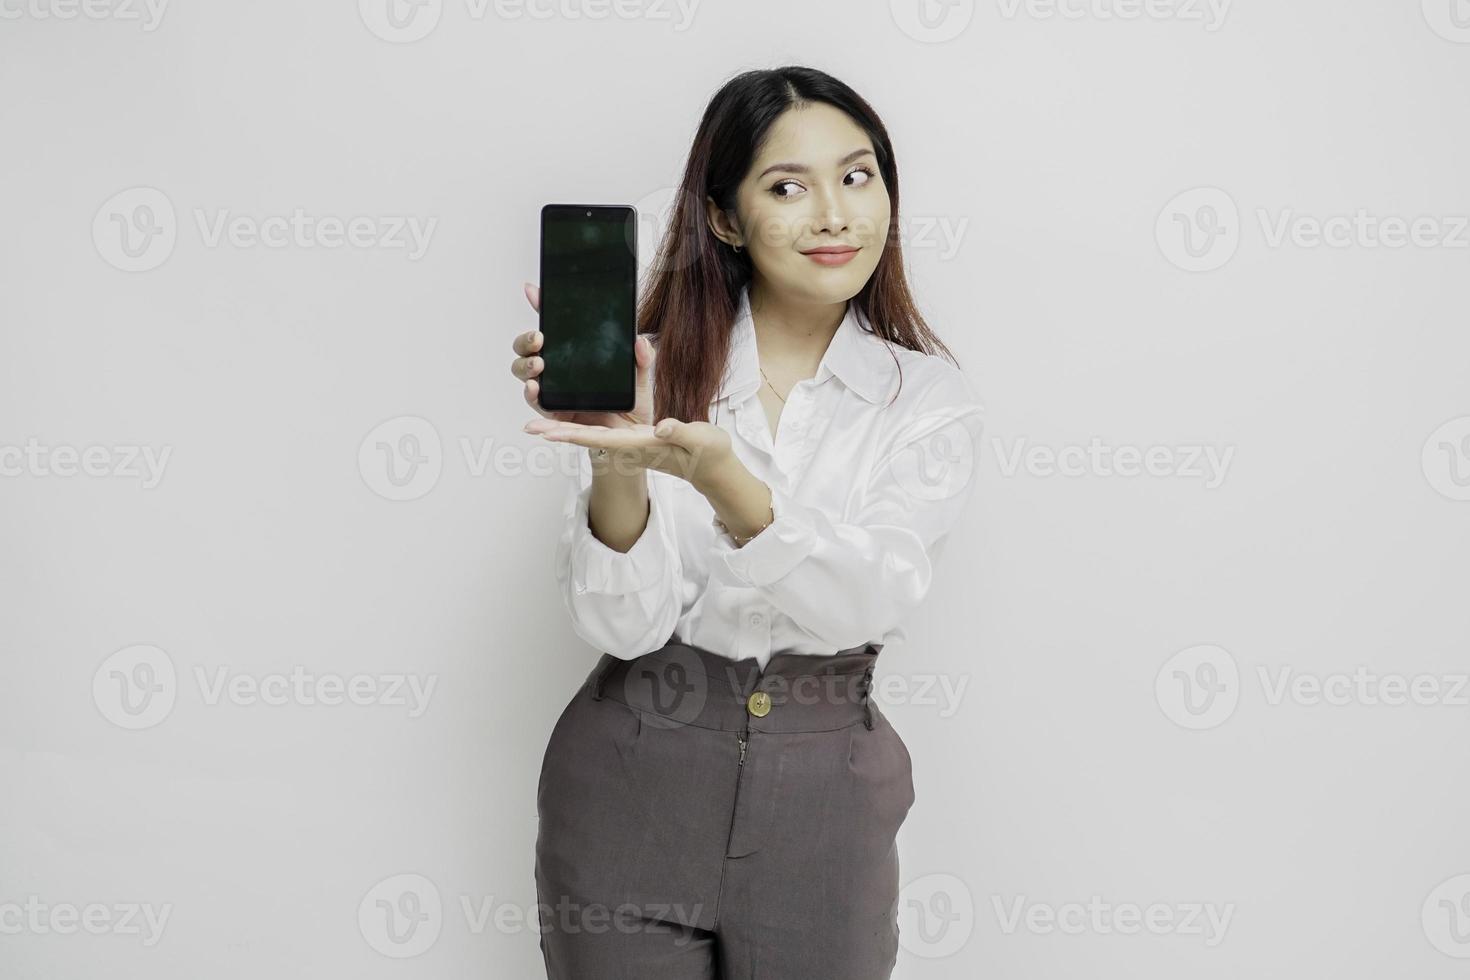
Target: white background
<point>1051,145</point>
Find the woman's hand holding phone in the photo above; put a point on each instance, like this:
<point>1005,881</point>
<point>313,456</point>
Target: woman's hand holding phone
<point>527,366</point>
<point>698,452</point>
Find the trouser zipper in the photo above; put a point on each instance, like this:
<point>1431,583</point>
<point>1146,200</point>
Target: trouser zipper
<point>734,806</point>
<point>735,801</point>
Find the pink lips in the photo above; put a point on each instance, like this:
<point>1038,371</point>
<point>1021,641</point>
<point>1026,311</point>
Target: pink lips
<point>832,254</point>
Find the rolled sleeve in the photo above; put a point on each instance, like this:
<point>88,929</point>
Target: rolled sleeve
<point>594,567</point>
<point>625,603</point>
<point>847,583</point>
<point>789,540</point>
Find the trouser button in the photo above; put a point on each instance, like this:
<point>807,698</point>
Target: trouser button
<point>759,704</point>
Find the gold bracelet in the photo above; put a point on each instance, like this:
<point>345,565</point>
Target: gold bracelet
<point>741,542</point>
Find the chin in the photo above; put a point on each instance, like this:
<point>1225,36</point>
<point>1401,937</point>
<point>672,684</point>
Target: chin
<point>833,285</point>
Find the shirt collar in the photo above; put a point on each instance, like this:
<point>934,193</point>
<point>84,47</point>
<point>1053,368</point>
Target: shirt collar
<point>856,357</point>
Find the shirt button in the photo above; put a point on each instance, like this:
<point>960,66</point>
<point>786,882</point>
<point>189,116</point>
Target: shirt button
<point>756,619</point>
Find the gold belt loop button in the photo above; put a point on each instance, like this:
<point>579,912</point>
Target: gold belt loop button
<point>759,704</point>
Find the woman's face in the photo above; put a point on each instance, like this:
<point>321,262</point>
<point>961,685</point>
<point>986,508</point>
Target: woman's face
<point>814,184</point>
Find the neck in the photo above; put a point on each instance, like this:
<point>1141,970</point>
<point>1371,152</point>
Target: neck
<point>791,333</point>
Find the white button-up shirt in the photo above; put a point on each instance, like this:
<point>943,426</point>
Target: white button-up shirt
<point>864,495</point>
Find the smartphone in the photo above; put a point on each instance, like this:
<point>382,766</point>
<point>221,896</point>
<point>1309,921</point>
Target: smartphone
<point>589,273</point>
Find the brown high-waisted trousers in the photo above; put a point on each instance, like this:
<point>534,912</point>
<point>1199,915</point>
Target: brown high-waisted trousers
<point>700,818</point>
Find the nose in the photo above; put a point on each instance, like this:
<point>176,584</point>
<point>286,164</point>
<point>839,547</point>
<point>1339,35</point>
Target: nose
<point>830,216</point>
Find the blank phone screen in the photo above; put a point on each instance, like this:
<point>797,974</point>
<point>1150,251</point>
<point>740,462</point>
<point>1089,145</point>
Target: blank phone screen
<point>588,307</point>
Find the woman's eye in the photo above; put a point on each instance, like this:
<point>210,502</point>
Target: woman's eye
<point>867,173</point>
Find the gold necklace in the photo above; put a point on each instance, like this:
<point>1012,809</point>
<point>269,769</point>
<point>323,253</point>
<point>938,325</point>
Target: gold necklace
<point>773,387</point>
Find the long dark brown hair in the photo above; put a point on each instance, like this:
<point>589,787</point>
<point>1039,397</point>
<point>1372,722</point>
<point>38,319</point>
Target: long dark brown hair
<point>693,293</point>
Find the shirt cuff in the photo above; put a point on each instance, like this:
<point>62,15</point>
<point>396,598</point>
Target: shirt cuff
<point>785,543</point>
<point>598,568</point>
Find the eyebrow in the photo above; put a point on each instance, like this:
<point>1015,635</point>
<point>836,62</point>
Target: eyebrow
<point>801,168</point>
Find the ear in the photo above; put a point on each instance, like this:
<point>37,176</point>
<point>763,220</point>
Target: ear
<point>720,223</point>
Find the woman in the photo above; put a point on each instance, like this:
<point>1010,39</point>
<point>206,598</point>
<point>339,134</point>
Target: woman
<point>722,796</point>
